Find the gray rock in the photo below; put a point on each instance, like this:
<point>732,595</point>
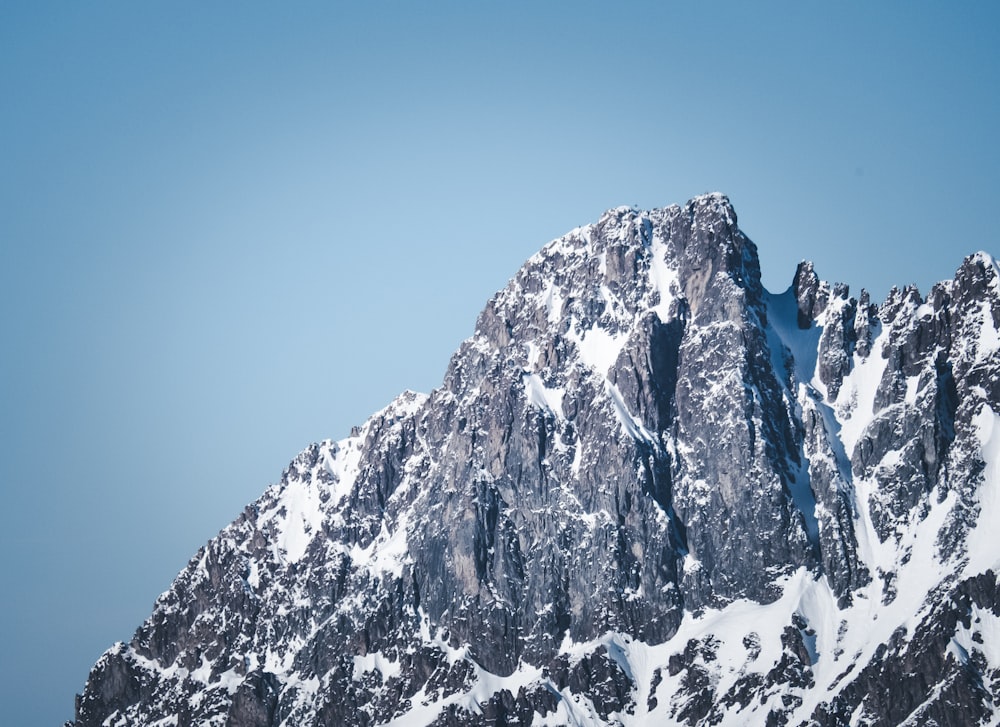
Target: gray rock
<point>625,455</point>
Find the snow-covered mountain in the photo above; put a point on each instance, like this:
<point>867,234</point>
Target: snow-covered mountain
<point>648,492</point>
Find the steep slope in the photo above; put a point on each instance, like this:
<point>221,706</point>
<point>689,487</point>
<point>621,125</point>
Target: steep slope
<point>647,492</point>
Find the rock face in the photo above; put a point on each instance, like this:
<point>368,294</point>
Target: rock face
<point>648,492</point>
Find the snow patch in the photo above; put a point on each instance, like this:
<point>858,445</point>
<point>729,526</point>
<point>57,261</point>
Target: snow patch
<point>342,463</point>
<point>553,302</point>
<point>784,333</point>
<point>303,518</point>
<point>599,349</point>
<point>539,395</point>
<point>632,426</point>
<point>663,279</point>
<point>375,661</point>
<point>855,405</point>
<point>981,542</point>
<point>388,552</point>
<point>989,336</point>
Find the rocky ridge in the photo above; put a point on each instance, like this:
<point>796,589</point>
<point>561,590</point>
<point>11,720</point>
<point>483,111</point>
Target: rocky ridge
<point>648,491</point>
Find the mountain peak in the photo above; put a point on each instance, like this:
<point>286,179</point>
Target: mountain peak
<point>716,202</point>
<point>647,492</point>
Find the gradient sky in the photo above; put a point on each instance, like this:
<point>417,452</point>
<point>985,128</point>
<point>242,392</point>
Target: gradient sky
<point>230,229</point>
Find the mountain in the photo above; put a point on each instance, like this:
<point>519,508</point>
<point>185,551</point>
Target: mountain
<point>648,492</point>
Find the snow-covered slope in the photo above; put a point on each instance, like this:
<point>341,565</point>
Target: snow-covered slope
<point>648,492</point>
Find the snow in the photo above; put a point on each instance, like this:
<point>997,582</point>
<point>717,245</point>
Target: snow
<point>988,625</point>
<point>403,406</point>
<point>784,332</point>
<point>553,303</point>
<point>253,577</point>
<point>375,661</point>
<point>981,542</point>
<point>805,501</point>
<point>170,721</point>
<point>541,396</point>
<point>911,555</point>
<point>485,684</point>
<point>281,663</point>
<point>342,463</point>
<point>203,672</point>
<point>577,462</point>
<point>989,336</point>
<point>663,280</point>
<point>600,343</point>
<point>230,680</point>
<point>690,563</point>
<point>727,627</point>
<point>388,552</point>
<point>531,354</point>
<point>988,261</point>
<point>833,637</point>
<point>853,409</point>
<point>298,510</point>
<point>303,518</point>
<point>855,403</point>
<point>599,349</point>
<point>573,710</point>
<point>630,424</point>
<point>982,635</point>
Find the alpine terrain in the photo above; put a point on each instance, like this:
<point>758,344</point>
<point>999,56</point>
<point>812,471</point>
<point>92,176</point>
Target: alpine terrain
<point>648,492</point>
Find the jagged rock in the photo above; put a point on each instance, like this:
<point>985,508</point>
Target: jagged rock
<point>648,491</point>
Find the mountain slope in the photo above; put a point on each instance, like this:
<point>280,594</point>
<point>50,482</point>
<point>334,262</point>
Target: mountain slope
<point>648,491</point>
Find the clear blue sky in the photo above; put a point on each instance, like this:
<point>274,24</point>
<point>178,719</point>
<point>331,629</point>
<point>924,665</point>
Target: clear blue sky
<point>228,230</point>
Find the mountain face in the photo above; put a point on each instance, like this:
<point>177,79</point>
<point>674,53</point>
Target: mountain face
<point>648,492</point>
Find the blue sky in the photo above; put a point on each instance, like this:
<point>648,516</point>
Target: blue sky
<point>227,231</point>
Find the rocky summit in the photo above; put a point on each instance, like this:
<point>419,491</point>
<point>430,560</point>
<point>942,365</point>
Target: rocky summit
<point>648,492</point>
